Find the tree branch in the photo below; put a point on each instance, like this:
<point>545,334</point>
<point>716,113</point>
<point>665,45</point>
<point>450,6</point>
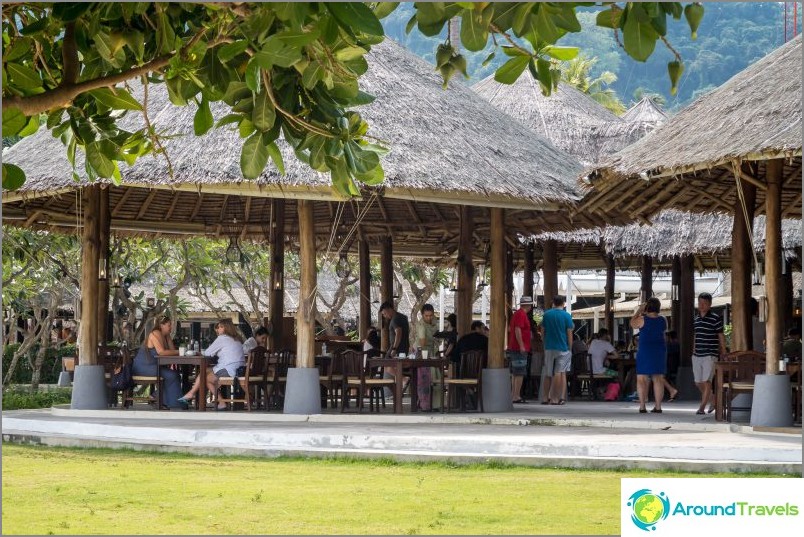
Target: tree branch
<point>69,55</point>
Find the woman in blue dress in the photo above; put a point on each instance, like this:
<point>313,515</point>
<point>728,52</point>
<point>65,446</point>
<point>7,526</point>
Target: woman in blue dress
<point>651,358</point>
<point>158,343</point>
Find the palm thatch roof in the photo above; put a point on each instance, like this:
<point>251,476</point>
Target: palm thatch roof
<point>673,233</point>
<point>645,111</point>
<point>447,148</point>
<point>570,119</point>
<point>691,162</point>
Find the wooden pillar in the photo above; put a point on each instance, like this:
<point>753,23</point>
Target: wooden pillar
<point>305,316</point>
<point>498,327</point>
<point>742,333</point>
<point>787,296</point>
<point>364,263</point>
<point>90,254</point>
<point>675,286</point>
<point>774,327</point>
<point>609,309</point>
<point>527,286</point>
<point>386,284</point>
<point>466,273</point>
<point>550,269</point>
<point>646,289</point>
<point>277,304</point>
<point>509,282</point>
<point>104,223</point>
<point>686,337</point>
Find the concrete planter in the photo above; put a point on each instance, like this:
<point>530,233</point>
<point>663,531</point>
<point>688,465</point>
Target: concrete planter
<point>89,388</point>
<point>497,390</point>
<point>302,392</point>
<point>772,405</point>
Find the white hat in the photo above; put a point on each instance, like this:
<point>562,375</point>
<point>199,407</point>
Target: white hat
<point>525,300</point>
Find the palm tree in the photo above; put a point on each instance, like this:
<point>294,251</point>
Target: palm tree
<point>577,73</point>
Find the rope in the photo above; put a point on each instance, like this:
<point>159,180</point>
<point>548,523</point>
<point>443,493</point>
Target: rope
<point>741,196</point>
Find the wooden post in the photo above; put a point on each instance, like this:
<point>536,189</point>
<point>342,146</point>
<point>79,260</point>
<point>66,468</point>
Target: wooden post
<point>774,327</point>
<point>609,309</point>
<point>364,262</point>
<point>527,286</point>
<point>550,269</point>
<point>686,337</point>
<point>104,223</point>
<point>787,294</point>
<point>498,314</point>
<point>386,284</point>
<point>675,284</point>
<point>742,333</point>
<point>466,273</point>
<point>277,305</point>
<point>509,282</point>
<point>305,316</point>
<point>646,289</point>
<point>90,254</point>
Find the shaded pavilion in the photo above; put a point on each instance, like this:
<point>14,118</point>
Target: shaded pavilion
<point>459,174</point>
<point>736,150</point>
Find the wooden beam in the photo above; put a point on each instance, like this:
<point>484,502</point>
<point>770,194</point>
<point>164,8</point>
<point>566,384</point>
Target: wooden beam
<point>383,210</point>
<point>527,286</point>
<point>774,327</point>
<point>646,288</point>
<point>741,271</point>
<point>686,335</point>
<point>792,206</point>
<point>364,265</point>
<point>222,216</point>
<point>305,316</point>
<point>550,272</point>
<point>247,214</point>
<point>386,283</point>
<point>197,207</point>
<point>277,292</point>
<point>90,253</point>
<point>122,201</point>
<point>609,291</point>
<point>172,208</point>
<point>104,226</point>
<point>497,339</point>
<point>147,203</point>
<point>750,179</point>
<point>466,273</point>
<point>710,197</point>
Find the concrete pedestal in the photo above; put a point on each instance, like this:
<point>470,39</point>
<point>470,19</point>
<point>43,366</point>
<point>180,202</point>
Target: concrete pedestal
<point>772,405</point>
<point>89,388</point>
<point>64,379</point>
<point>497,390</point>
<point>302,392</point>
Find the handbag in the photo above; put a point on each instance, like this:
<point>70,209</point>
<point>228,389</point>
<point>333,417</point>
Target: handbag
<point>123,375</point>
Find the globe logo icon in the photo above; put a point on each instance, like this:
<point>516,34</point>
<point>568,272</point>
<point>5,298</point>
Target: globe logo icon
<point>648,508</point>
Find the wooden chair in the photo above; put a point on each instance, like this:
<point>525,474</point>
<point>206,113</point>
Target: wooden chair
<point>794,370</point>
<point>355,379</point>
<point>579,365</point>
<point>252,379</point>
<point>281,362</point>
<point>331,378</point>
<point>739,378</point>
<point>111,357</point>
<point>588,380</point>
<point>468,376</point>
<point>129,397</point>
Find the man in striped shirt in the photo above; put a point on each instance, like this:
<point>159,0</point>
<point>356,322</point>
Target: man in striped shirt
<point>709,344</point>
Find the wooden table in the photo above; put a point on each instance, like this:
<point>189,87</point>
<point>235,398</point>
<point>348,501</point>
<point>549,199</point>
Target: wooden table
<point>198,360</point>
<point>622,363</point>
<point>399,365</point>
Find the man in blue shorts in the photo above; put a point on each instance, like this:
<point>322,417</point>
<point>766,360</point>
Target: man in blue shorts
<point>557,333</point>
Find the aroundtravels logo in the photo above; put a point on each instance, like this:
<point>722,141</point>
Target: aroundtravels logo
<point>648,508</point>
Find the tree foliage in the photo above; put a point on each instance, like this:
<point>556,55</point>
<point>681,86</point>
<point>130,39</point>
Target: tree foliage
<point>287,69</point>
<point>578,73</point>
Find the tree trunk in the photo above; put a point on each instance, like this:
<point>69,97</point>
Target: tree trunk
<point>774,328</point>
<point>742,332</point>
<point>104,222</point>
<point>305,317</point>
<point>90,250</point>
<point>498,313</point>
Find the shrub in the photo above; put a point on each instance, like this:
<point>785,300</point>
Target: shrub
<point>15,398</point>
<point>50,368</point>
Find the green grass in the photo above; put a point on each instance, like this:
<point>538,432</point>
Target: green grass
<point>71,491</point>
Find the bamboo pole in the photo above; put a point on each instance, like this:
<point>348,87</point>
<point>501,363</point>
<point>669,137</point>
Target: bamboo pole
<point>550,269</point>
<point>90,249</point>
<point>305,316</point>
<point>277,305</point>
<point>609,310</point>
<point>741,277</point>
<point>104,223</point>
<point>527,286</point>
<point>774,328</point>
<point>646,289</point>
<point>509,282</point>
<point>498,314</point>
<point>466,273</point>
<point>386,283</point>
<point>364,262</point>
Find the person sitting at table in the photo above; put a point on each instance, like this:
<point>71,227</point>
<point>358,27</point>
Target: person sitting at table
<point>372,341</point>
<point>450,337</point>
<point>425,329</point>
<point>158,343</point>
<point>601,350</point>
<point>260,339</point>
<point>792,345</point>
<point>651,358</point>
<point>228,347</point>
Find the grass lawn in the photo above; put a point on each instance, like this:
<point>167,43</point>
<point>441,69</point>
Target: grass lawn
<point>62,491</point>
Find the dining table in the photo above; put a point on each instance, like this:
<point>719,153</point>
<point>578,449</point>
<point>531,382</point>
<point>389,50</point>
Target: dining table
<point>197,360</point>
<point>408,367</point>
<point>623,362</point>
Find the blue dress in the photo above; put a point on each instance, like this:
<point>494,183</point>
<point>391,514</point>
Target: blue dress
<point>145,365</point>
<point>652,352</point>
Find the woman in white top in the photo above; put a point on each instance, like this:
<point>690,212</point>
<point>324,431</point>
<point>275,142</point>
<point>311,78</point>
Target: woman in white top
<point>228,347</point>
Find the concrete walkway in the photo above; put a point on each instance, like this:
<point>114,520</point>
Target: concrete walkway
<point>577,435</point>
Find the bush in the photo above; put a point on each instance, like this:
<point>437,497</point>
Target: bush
<point>50,368</point>
<point>15,398</point>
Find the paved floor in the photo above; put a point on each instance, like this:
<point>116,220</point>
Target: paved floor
<point>579,435</point>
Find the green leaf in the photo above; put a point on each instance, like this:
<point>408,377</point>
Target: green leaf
<point>540,25</point>
<point>276,156</point>
<point>383,9</point>
<point>202,121</point>
<point>36,26</point>
<point>236,91</point>
<point>362,98</point>
<point>31,127</point>
<point>475,29</point>
<point>359,160</point>
<point>639,40</point>
<point>510,71</point>
<point>312,74</point>
<point>610,18</point>
<point>253,76</point>
<point>13,177</point>
<point>22,76</point>
<point>230,50</point>
<point>253,157</point>
<point>98,158</point>
<point>341,179</point>
<point>488,59</point>
<point>430,12</point>
<point>544,76</point>
<point>228,119</point>
<point>561,53</point>
<point>298,38</point>
<point>264,113</point>
<point>13,121</point>
<point>514,51</point>
<point>373,177</point>
<point>246,128</point>
<point>69,11</point>
<point>119,99</point>
<point>18,49</point>
<point>349,53</point>
<point>355,16</point>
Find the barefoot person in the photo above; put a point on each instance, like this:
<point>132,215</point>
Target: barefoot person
<point>709,344</point>
<point>651,359</point>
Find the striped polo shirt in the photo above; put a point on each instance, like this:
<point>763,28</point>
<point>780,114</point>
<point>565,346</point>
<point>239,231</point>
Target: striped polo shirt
<point>707,328</point>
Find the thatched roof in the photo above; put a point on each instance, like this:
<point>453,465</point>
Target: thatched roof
<point>447,148</point>
<point>673,233</point>
<point>646,111</point>
<point>689,163</point>
<point>568,118</point>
